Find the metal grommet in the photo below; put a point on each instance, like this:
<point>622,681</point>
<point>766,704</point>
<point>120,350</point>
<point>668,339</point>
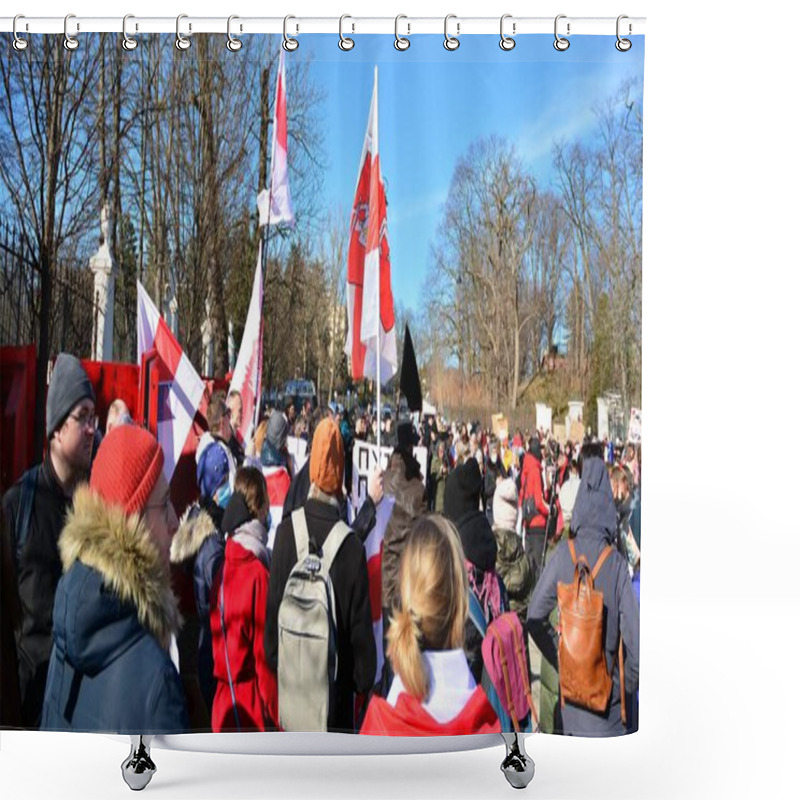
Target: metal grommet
<point>128,42</point>
<point>507,42</point>
<point>451,42</point>
<point>181,42</point>
<point>70,42</point>
<point>345,43</point>
<point>19,44</point>
<point>623,45</point>
<point>400,42</point>
<point>561,44</point>
<point>233,44</point>
<point>290,44</point>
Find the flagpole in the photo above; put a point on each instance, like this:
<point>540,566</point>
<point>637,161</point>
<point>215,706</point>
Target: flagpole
<point>378,293</point>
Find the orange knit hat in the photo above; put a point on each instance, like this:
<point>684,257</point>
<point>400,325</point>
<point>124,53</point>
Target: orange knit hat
<point>126,468</point>
<point>327,457</point>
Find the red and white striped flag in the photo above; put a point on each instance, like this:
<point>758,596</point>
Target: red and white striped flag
<point>370,306</point>
<point>247,373</point>
<point>178,399</point>
<point>275,204</point>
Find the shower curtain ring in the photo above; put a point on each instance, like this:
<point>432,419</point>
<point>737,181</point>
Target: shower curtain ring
<point>401,42</point>
<point>623,45</point>
<point>507,42</point>
<point>70,42</point>
<point>451,42</point>
<point>128,42</point>
<point>181,42</point>
<point>20,44</point>
<point>561,43</point>
<point>345,42</point>
<point>289,42</point>
<point>233,44</point>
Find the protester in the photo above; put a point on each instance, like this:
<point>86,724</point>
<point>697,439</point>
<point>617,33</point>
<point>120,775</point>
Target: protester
<point>535,510</point>
<point>355,643</point>
<point>462,508</point>
<point>10,703</point>
<point>594,523</point>
<point>403,483</point>
<point>115,613</point>
<point>118,414</point>
<point>199,549</point>
<point>235,441</point>
<point>512,565</point>
<point>440,468</point>
<point>494,471</point>
<point>568,494</point>
<point>43,496</point>
<point>275,466</point>
<point>433,691</point>
<point>247,694</point>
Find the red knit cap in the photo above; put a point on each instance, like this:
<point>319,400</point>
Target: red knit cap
<point>126,468</point>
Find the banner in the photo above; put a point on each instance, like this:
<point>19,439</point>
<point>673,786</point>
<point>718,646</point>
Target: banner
<point>635,426</point>
<point>298,450</point>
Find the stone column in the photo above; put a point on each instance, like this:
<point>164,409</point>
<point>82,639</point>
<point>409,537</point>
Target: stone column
<point>602,417</point>
<point>208,343</point>
<point>104,269</point>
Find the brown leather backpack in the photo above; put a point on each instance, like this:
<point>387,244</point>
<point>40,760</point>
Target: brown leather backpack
<point>582,670</point>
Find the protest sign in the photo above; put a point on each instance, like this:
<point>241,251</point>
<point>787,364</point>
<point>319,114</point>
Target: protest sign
<point>365,457</point>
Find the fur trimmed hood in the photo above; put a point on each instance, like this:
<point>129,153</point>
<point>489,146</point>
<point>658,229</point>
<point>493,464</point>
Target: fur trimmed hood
<point>119,549</point>
<point>195,527</point>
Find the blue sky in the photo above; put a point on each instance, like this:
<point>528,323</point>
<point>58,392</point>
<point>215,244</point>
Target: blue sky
<point>434,103</point>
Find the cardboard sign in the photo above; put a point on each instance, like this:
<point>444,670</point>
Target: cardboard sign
<point>635,426</point>
<point>500,426</point>
<point>365,457</point>
<point>298,450</point>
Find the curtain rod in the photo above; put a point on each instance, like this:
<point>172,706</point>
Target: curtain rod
<point>407,26</point>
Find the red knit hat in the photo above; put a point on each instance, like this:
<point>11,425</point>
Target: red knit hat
<point>126,468</point>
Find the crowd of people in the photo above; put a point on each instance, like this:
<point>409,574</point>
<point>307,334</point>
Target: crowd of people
<point>118,616</point>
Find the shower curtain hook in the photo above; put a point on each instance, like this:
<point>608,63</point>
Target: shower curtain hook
<point>233,44</point>
<point>20,44</point>
<point>507,42</point>
<point>70,42</point>
<point>451,42</point>
<point>561,43</point>
<point>345,42</point>
<point>623,45</point>
<point>181,42</point>
<point>289,42</point>
<point>128,42</point>
<point>401,42</point>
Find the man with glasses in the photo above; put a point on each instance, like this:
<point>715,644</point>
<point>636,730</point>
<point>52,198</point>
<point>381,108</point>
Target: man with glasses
<point>34,511</point>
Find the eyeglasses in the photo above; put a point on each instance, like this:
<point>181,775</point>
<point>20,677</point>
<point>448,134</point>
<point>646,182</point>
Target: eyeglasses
<point>86,419</point>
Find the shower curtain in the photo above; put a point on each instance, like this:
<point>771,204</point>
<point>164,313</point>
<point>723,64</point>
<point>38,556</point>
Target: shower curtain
<point>255,235</point>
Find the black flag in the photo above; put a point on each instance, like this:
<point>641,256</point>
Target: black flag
<point>409,375</point>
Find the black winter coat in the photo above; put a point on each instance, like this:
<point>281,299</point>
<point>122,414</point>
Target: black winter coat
<point>39,572</point>
<point>357,660</point>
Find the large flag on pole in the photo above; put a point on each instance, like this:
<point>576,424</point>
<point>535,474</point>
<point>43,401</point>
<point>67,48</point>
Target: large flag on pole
<point>247,374</point>
<point>178,399</point>
<point>370,307</point>
<point>275,204</point>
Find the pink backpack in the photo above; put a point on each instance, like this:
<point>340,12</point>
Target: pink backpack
<point>504,660</point>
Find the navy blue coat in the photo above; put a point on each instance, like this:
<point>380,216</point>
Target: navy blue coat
<point>113,618</point>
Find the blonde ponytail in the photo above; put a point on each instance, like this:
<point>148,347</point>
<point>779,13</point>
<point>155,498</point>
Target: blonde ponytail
<point>433,601</point>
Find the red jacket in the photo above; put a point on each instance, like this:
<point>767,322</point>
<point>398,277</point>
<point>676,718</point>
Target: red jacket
<point>246,587</point>
<point>531,486</point>
<point>409,718</point>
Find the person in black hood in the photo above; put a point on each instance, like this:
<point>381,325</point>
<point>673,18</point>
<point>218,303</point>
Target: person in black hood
<point>462,494</point>
<point>594,523</point>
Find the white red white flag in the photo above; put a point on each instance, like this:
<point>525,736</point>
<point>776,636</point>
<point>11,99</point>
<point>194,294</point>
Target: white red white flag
<point>247,374</point>
<point>370,306</point>
<point>275,203</point>
<point>179,398</point>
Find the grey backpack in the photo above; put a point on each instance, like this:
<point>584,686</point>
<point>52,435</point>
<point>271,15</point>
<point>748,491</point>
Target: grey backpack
<point>307,661</point>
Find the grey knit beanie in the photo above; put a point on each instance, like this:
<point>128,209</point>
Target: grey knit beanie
<point>277,430</point>
<point>69,384</point>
